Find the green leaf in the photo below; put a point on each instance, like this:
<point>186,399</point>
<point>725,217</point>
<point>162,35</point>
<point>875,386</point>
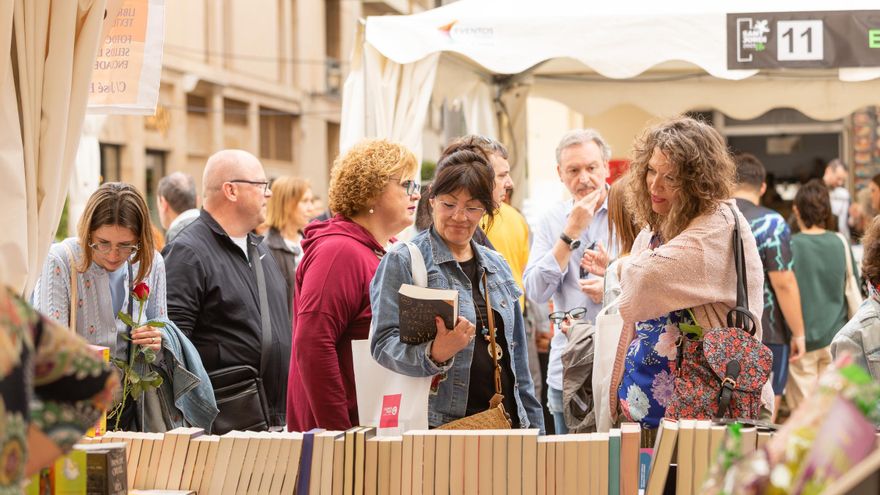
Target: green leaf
<point>120,363</point>
<point>855,374</point>
<point>156,324</point>
<point>157,382</point>
<point>134,378</point>
<point>126,319</point>
<point>695,331</point>
<point>149,355</point>
<point>126,337</point>
<point>149,376</point>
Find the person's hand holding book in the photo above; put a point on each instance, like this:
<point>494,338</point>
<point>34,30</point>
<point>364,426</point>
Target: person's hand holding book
<point>447,343</point>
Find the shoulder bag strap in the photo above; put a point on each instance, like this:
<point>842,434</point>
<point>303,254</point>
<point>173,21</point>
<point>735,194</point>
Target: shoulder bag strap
<point>71,259</point>
<point>740,316</point>
<point>491,316</point>
<point>419,272</point>
<point>266,321</point>
<point>846,256</point>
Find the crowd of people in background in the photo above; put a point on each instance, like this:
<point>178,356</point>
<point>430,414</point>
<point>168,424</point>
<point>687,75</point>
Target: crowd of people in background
<point>259,291</point>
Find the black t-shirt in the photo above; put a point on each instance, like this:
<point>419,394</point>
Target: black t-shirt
<point>482,382</point>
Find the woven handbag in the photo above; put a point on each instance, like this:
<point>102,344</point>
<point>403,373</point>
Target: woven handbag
<point>494,418</point>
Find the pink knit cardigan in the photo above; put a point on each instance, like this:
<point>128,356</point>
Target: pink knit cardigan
<point>693,270</point>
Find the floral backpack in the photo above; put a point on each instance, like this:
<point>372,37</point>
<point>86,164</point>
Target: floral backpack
<point>720,373</point>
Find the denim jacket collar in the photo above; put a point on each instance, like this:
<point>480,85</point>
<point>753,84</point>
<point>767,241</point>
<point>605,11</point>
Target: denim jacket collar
<point>442,254</point>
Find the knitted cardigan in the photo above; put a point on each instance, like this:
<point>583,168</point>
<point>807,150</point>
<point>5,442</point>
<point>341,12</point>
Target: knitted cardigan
<point>693,270</point>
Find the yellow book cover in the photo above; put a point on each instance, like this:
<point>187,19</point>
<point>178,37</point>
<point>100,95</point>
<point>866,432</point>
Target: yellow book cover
<point>100,427</point>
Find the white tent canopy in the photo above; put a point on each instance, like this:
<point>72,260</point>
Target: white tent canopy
<point>664,57</point>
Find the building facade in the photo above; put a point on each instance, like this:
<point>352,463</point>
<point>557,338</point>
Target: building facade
<point>265,76</point>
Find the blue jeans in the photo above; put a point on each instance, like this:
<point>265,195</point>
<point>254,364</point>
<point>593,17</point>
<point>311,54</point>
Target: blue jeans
<point>554,404</point>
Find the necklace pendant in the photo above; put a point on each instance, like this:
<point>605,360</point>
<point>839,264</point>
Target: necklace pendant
<point>485,333</point>
<point>495,351</point>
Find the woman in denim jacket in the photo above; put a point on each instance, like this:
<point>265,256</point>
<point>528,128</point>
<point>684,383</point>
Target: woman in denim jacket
<point>459,358</point>
<point>861,335</point>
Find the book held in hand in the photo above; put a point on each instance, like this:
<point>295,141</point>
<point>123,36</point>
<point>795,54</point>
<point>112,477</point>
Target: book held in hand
<point>419,306</point>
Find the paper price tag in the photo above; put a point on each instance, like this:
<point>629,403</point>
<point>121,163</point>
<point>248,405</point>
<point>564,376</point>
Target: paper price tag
<point>390,410</point>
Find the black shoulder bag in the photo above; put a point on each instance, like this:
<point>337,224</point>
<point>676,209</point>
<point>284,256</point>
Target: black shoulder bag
<point>241,397</point>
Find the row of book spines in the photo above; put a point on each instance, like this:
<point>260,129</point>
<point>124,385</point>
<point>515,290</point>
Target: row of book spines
<point>692,445</point>
<point>186,459</point>
<point>357,462</point>
<point>420,462</point>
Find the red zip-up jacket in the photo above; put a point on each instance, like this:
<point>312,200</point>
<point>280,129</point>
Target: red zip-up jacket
<point>331,308</point>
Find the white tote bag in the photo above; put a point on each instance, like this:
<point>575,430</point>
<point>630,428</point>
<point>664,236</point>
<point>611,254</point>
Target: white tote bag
<point>392,402</point>
<point>607,335</point>
<point>851,286</point>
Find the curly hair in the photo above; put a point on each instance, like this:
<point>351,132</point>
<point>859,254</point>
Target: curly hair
<point>360,175</point>
<point>871,259</point>
<point>287,192</point>
<point>120,204</point>
<point>701,164</point>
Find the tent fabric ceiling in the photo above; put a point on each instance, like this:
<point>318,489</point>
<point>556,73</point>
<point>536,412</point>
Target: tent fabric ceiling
<point>617,40</point>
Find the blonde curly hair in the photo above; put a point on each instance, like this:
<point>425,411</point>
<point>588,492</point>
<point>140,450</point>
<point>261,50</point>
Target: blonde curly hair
<point>359,176</point>
<point>703,169</point>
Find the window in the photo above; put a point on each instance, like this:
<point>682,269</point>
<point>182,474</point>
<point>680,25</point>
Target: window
<point>276,134</point>
<point>155,169</point>
<point>111,167</point>
<point>235,112</point>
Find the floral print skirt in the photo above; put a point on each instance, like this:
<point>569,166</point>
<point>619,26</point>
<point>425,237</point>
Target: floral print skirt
<point>649,369</point>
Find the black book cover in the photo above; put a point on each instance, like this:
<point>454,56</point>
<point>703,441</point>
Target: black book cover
<point>419,306</point>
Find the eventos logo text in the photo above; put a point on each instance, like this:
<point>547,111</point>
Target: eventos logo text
<point>457,31</point>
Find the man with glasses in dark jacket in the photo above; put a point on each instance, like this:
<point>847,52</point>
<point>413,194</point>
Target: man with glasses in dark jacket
<point>214,294</point>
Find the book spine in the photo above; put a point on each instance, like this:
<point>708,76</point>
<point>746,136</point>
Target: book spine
<point>645,456</point>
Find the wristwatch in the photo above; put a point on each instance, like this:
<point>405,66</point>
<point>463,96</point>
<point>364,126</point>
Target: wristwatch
<point>572,243</point>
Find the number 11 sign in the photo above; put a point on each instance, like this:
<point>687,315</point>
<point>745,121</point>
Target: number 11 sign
<point>803,40</point>
<point>800,40</point>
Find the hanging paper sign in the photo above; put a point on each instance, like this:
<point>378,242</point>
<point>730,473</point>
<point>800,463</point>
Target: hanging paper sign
<point>128,68</point>
<point>803,40</point>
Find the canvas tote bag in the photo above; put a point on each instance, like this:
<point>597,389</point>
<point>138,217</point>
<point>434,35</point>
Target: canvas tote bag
<point>851,286</point>
<point>390,401</point>
<point>607,335</point>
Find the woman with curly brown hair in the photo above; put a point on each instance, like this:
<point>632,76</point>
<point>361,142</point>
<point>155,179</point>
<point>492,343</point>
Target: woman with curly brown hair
<point>374,194</point>
<point>681,270</point>
<point>861,336</point>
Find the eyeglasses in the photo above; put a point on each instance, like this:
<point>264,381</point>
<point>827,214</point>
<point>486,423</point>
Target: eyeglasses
<point>126,250</point>
<point>410,186</point>
<point>263,183</point>
<point>472,212</point>
<point>574,314</point>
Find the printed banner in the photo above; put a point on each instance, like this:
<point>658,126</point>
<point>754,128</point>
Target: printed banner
<point>128,68</point>
<point>803,40</point>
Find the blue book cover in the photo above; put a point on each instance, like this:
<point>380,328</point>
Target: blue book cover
<point>305,460</point>
<point>645,456</point>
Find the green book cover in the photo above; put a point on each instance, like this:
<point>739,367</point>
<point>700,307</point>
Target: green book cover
<point>69,474</point>
<point>614,462</point>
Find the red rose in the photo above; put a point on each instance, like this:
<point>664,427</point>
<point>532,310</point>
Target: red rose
<point>141,291</point>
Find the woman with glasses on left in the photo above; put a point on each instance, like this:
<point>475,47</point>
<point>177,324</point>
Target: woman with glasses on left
<point>113,252</point>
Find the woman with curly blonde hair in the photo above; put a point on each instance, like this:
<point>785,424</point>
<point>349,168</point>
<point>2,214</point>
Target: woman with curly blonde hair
<point>374,194</point>
<point>681,270</point>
